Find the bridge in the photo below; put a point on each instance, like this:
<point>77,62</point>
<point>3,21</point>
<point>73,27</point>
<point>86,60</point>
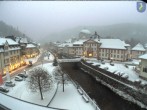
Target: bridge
<point>69,60</point>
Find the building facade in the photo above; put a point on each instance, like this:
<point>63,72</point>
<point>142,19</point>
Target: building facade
<point>137,51</point>
<point>143,66</point>
<point>10,58</point>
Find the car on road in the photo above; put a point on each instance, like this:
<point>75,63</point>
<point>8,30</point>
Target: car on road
<point>9,83</point>
<point>3,90</point>
<point>18,78</point>
<point>22,75</point>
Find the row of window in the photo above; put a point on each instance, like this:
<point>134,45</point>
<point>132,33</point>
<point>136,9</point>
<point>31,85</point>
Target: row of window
<point>90,44</point>
<point>11,52</point>
<point>114,56</point>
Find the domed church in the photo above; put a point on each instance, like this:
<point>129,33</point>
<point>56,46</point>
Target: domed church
<point>84,34</point>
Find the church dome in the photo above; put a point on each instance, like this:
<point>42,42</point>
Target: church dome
<point>85,31</point>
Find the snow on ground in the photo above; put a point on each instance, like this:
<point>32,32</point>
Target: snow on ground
<point>51,57</point>
<point>70,99</point>
<point>22,91</point>
<point>15,104</point>
<point>119,68</point>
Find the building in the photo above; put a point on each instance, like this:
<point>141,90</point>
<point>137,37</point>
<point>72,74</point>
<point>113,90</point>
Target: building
<point>10,58</point>
<point>143,66</point>
<point>137,51</point>
<point>84,33</point>
<point>96,47</point>
<point>31,51</point>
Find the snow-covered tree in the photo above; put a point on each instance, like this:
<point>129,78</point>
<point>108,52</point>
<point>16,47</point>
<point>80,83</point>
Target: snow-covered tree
<point>60,76</point>
<point>40,80</point>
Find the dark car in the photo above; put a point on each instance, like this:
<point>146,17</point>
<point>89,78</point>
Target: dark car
<point>10,84</point>
<point>3,89</point>
<point>22,75</point>
<point>18,78</point>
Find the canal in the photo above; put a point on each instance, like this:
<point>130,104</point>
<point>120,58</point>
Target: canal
<point>104,97</point>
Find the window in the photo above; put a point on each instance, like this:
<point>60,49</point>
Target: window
<point>114,51</point>
<point>145,69</point>
<point>114,56</point>
<point>118,51</point>
<point>117,56</point>
<point>6,61</point>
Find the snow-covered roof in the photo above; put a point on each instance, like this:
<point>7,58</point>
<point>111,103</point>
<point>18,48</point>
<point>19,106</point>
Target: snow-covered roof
<point>143,56</point>
<point>113,43</point>
<point>65,44</point>
<point>79,42</point>
<point>10,41</point>
<point>139,47</point>
<point>30,46</point>
<point>86,31</point>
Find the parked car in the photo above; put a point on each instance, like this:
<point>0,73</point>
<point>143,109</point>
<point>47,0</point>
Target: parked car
<point>112,64</point>
<point>106,68</point>
<point>103,62</point>
<point>10,84</point>
<point>4,90</point>
<point>18,78</point>
<point>30,63</point>
<point>22,75</point>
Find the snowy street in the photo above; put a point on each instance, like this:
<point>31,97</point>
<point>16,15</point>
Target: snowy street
<point>70,99</point>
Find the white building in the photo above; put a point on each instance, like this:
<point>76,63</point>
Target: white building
<point>9,55</point>
<point>96,47</point>
<point>137,51</point>
<point>143,64</point>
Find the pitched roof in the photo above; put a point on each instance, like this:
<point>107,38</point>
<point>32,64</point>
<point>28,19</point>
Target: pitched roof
<point>10,41</point>
<point>30,46</point>
<point>143,56</point>
<point>113,43</point>
<point>139,47</point>
<point>79,42</point>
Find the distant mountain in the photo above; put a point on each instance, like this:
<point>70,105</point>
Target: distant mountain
<point>7,30</point>
<point>123,31</point>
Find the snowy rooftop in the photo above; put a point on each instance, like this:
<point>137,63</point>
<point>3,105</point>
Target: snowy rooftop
<point>143,56</point>
<point>65,44</point>
<point>79,42</point>
<point>113,43</point>
<point>139,47</point>
<point>10,41</point>
<point>30,46</point>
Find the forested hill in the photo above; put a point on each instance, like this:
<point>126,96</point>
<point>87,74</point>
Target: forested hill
<point>7,30</point>
<point>123,31</point>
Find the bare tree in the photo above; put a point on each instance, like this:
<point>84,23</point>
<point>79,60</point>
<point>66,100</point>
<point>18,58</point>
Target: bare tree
<point>40,80</point>
<point>60,76</point>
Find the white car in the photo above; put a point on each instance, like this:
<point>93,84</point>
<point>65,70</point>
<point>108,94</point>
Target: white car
<point>18,78</point>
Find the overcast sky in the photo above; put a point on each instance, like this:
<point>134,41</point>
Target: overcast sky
<point>40,18</point>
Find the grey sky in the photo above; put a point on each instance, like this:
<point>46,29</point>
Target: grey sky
<point>40,18</point>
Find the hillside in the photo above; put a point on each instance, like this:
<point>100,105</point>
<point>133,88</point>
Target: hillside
<point>7,30</point>
<point>122,31</point>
